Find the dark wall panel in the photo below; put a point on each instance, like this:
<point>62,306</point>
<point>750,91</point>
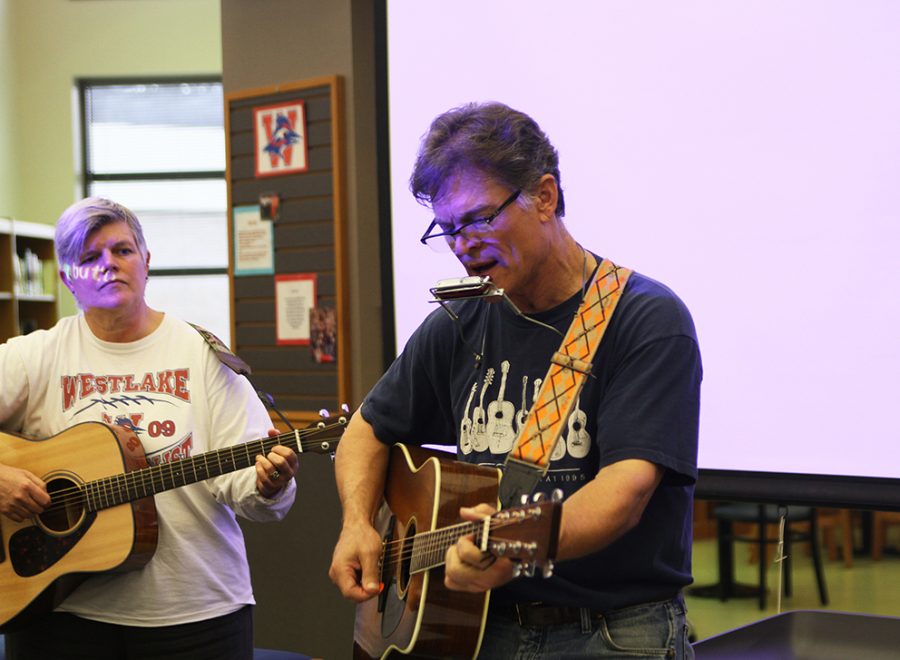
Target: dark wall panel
<point>306,240</point>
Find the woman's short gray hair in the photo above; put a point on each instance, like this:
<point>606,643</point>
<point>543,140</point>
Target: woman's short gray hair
<point>78,221</point>
<point>506,145</point>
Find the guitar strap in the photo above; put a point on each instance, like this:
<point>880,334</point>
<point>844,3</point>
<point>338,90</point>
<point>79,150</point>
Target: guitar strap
<point>222,352</point>
<point>529,459</point>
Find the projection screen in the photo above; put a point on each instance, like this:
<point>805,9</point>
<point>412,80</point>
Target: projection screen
<point>745,154</point>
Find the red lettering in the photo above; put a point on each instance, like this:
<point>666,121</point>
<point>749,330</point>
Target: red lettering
<point>148,385</point>
<point>165,385</point>
<point>87,384</point>
<point>181,391</point>
<point>68,385</point>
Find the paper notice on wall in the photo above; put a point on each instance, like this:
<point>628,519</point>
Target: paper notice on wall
<point>295,295</point>
<point>254,245</point>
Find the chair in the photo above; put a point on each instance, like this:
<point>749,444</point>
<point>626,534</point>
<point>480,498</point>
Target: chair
<point>829,522</point>
<point>880,522</point>
<point>763,515</point>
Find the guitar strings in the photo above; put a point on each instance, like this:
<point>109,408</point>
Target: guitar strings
<point>78,494</point>
<point>427,542</point>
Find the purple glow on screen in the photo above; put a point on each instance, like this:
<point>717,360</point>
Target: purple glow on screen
<point>746,154</point>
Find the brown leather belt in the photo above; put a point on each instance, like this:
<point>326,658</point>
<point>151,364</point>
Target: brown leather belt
<point>539,614</point>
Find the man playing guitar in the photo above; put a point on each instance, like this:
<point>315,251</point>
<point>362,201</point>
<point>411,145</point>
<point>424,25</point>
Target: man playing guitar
<point>491,177</point>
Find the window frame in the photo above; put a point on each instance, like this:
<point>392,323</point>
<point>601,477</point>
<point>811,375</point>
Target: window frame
<point>88,176</point>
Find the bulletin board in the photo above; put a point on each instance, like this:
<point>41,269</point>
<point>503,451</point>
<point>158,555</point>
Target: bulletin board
<point>286,232</point>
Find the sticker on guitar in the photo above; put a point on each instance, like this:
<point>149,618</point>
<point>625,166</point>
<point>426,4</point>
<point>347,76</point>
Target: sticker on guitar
<point>479,420</point>
<point>500,415</point>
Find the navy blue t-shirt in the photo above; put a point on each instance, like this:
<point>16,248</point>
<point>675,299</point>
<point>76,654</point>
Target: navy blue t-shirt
<point>642,401</point>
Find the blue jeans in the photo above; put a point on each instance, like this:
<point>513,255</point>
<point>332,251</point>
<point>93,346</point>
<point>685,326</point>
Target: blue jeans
<point>650,630</point>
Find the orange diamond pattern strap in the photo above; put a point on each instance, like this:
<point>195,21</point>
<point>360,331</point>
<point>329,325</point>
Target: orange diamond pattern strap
<point>569,368</point>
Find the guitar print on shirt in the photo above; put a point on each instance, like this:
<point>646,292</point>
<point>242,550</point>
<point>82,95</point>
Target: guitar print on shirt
<point>578,442</point>
<point>500,415</point>
<point>479,421</point>
<point>522,413</point>
<point>465,427</point>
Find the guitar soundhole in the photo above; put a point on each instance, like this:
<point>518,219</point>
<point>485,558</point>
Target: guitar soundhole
<point>405,563</point>
<point>395,596</point>
<point>67,509</point>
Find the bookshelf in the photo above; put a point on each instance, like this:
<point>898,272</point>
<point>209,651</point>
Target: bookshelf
<point>28,282</point>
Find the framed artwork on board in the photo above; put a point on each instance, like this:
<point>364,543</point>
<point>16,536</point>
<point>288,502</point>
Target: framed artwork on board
<point>279,137</point>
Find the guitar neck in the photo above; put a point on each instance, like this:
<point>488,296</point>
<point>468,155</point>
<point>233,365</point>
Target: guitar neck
<point>129,486</point>
<point>430,548</point>
<point>509,533</point>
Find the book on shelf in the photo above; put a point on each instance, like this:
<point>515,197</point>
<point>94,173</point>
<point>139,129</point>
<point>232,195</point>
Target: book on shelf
<point>31,274</point>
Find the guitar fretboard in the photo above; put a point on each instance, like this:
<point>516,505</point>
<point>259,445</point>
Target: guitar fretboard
<point>129,486</point>
<point>430,548</point>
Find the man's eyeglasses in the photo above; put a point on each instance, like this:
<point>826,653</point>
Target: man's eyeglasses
<point>440,239</point>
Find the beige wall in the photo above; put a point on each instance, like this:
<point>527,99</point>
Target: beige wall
<point>53,42</point>
<point>6,111</point>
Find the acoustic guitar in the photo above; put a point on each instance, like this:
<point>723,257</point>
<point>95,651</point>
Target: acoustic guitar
<point>102,517</point>
<point>415,614</point>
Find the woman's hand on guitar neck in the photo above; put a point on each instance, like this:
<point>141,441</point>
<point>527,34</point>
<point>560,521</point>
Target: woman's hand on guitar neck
<point>276,469</point>
<point>470,569</point>
<point>22,494</point>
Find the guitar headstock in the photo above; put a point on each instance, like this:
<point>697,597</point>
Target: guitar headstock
<point>528,535</point>
<point>323,436</point>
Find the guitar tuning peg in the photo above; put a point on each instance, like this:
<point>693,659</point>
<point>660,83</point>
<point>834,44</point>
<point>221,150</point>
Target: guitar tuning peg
<point>528,570</point>
<point>345,408</point>
<point>523,499</point>
<point>556,495</point>
<point>517,570</point>
<point>537,497</point>
<point>324,414</point>
<point>547,570</point>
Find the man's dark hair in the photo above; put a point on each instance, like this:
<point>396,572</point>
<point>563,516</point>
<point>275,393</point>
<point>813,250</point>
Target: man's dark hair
<point>506,145</point>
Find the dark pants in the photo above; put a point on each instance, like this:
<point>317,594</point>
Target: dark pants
<point>67,637</point>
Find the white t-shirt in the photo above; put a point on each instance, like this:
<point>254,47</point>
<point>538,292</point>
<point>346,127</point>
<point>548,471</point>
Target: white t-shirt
<point>172,390</point>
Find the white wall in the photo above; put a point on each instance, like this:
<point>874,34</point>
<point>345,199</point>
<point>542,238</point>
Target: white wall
<point>746,154</point>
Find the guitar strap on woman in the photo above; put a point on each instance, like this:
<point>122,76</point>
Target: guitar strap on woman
<point>241,368</point>
<point>222,352</point>
<point>529,459</point>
